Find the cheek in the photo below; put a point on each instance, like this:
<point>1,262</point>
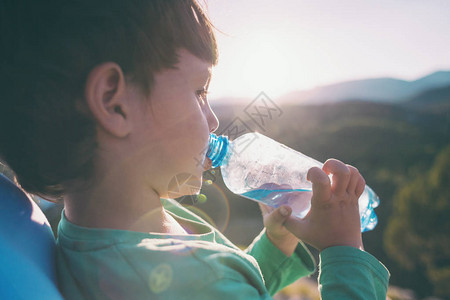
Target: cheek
<point>186,136</point>
<point>193,123</point>
<point>195,135</point>
<point>182,125</point>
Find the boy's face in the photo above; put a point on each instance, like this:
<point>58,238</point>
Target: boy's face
<point>173,128</point>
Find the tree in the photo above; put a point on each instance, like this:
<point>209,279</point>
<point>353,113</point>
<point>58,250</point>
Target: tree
<point>418,233</point>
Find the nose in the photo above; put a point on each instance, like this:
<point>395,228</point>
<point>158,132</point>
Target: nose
<point>213,122</point>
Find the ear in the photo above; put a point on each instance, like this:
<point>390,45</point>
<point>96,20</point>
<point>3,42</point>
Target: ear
<point>105,94</point>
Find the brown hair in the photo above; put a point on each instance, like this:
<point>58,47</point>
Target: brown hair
<point>48,48</point>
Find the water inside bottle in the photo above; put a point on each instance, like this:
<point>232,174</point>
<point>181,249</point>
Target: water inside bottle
<point>298,199</point>
<point>300,202</point>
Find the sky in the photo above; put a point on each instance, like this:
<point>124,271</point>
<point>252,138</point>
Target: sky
<point>286,45</point>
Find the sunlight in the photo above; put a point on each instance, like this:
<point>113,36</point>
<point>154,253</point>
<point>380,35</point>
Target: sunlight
<point>269,61</point>
<point>266,65</point>
<point>296,45</point>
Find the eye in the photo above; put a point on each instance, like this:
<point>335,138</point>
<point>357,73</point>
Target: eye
<point>202,95</point>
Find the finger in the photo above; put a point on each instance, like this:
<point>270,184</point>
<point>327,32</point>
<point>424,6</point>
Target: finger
<point>285,186</point>
<point>275,186</point>
<point>269,186</point>
<point>265,209</point>
<point>360,187</point>
<point>341,175</point>
<point>354,179</point>
<point>276,218</point>
<point>320,184</point>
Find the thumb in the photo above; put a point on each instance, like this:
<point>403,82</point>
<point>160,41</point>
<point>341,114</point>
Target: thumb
<point>298,227</point>
<point>276,218</point>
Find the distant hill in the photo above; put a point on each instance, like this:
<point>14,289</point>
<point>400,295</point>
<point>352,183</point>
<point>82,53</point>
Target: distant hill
<point>386,142</point>
<point>434,100</point>
<point>389,143</point>
<point>389,90</point>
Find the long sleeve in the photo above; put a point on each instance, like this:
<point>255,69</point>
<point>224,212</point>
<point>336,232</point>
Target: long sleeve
<point>349,273</point>
<point>278,269</point>
<point>107,263</point>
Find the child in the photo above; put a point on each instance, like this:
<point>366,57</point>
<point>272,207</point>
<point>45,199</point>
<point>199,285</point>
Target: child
<point>103,104</point>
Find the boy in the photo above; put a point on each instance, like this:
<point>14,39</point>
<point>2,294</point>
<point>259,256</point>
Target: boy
<point>104,102</point>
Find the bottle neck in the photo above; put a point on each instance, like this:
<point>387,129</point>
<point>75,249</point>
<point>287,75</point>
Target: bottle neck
<point>218,148</point>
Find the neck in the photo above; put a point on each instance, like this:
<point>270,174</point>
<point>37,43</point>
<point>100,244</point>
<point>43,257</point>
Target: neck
<point>119,202</point>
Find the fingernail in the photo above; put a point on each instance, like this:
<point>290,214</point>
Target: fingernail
<point>283,211</point>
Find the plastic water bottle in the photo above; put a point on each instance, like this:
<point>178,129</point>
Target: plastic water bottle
<point>261,169</point>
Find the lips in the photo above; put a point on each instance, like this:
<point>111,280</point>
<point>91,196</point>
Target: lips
<point>207,164</point>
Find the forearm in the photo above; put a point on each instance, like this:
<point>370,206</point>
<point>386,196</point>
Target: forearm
<point>287,246</point>
<point>278,269</point>
<point>349,273</point>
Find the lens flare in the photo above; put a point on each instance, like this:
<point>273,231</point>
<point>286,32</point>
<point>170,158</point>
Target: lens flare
<point>160,278</point>
<point>217,206</point>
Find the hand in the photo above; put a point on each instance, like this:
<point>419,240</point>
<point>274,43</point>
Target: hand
<point>274,219</point>
<point>334,216</point>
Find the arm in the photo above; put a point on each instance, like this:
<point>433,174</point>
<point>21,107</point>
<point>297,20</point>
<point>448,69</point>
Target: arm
<point>333,219</point>
<point>349,273</point>
<point>346,272</point>
<point>278,269</point>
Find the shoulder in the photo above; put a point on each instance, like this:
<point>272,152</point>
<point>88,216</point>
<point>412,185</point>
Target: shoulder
<point>179,265</point>
<point>215,259</point>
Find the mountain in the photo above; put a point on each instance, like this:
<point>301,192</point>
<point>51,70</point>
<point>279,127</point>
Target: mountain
<point>389,90</point>
<point>434,100</point>
<point>390,143</point>
<point>436,79</point>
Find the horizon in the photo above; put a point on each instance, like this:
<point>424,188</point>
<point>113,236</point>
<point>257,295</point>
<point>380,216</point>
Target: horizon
<point>309,45</point>
<point>219,100</point>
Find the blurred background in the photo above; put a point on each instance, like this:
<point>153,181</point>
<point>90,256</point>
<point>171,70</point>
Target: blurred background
<point>366,82</point>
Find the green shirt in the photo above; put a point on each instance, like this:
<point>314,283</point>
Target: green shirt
<point>119,264</point>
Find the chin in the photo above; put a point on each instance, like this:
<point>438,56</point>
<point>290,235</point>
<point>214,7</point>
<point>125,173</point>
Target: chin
<point>184,184</point>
